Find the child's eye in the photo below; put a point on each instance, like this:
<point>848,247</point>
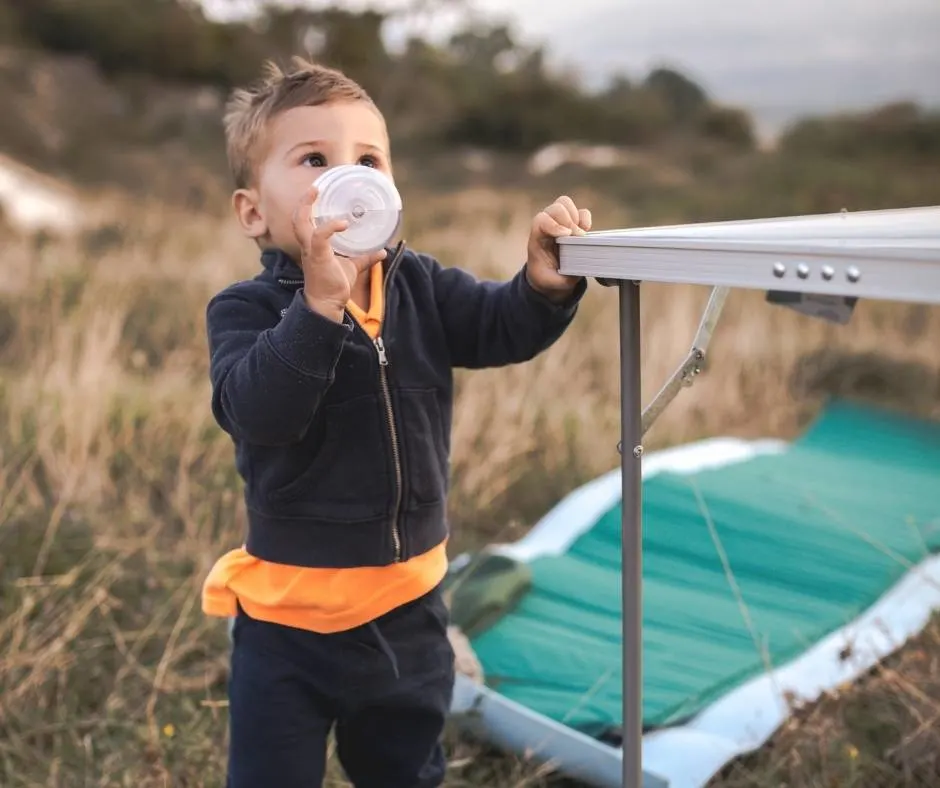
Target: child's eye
<point>368,161</point>
<point>314,160</point>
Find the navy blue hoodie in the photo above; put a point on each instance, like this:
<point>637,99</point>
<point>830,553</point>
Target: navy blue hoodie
<point>343,442</point>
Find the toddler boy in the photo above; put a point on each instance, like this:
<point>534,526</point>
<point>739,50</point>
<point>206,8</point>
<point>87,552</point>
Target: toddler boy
<point>333,377</point>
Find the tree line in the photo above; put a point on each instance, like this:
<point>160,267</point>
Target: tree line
<point>480,88</point>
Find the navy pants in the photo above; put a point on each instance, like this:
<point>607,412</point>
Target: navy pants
<point>385,687</point>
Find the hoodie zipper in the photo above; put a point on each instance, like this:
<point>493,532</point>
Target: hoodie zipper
<point>379,344</point>
<point>393,435</point>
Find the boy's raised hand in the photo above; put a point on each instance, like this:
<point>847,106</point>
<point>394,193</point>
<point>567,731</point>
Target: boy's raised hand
<point>328,277</point>
<point>559,219</point>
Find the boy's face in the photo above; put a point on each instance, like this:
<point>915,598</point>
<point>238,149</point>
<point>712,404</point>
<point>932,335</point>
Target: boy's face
<point>298,145</point>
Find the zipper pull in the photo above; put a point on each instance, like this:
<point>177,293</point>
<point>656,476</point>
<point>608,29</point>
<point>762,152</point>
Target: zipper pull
<point>380,347</point>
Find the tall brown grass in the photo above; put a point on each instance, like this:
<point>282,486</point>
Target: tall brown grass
<point>117,491</point>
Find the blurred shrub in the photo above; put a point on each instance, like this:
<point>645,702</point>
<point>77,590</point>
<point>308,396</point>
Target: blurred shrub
<point>728,125</point>
<point>167,39</point>
<point>895,129</point>
<point>10,31</point>
<point>684,99</point>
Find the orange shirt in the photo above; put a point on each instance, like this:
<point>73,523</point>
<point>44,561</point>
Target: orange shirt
<point>322,600</point>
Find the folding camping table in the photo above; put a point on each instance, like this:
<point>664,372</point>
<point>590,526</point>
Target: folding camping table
<point>820,265</point>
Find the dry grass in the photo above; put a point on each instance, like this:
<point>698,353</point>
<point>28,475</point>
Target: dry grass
<point>883,732</point>
<point>117,491</point>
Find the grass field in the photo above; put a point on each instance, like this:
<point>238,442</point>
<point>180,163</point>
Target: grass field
<point>117,491</point>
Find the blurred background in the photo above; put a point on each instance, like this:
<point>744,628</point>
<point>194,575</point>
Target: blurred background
<point>117,490</point>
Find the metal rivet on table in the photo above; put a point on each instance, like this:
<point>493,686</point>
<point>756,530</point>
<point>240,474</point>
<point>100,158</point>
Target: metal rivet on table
<point>779,270</point>
<point>828,272</point>
<point>853,274</point>
<point>802,270</point>
<point>637,451</point>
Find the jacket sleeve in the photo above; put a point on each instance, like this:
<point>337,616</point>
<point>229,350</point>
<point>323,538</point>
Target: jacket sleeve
<point>268,378</point>
<point>492,324</point>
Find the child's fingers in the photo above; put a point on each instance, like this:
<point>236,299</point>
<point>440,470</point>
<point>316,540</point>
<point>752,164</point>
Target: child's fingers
<point>325,230</point>
<point>570,208</point>
<point>317,247</point>
<point>562,215</point>
<point>302,220</point>
<point>547,223</point>
<point>366,261</point>
<point>585,220</point>
<point>320,238</point>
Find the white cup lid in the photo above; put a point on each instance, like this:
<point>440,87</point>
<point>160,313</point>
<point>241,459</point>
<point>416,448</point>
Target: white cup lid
<point>367,199</point>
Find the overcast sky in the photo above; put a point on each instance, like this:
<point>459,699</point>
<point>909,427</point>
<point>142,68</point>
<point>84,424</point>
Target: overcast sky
<point>776,58</point>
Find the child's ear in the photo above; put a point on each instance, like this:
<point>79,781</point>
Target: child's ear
<point>245,203</point>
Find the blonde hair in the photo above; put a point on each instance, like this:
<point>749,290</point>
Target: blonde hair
<point>249,110</point>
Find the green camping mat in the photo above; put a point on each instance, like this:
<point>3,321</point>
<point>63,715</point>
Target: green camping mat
<point>813,537</point>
